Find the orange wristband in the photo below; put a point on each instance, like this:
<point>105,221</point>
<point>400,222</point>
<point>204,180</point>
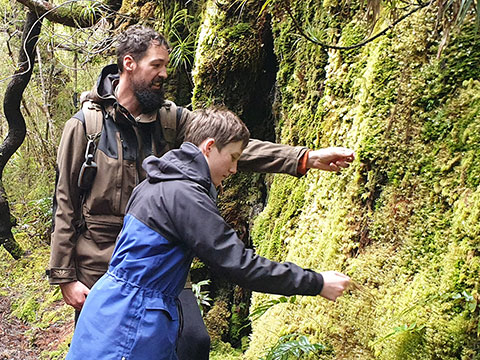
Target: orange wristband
<point>302,164</point>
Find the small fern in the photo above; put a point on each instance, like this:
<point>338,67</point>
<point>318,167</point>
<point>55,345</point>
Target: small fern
<point>202,296</point>
<point>262,308</point>
<point>293,346</point>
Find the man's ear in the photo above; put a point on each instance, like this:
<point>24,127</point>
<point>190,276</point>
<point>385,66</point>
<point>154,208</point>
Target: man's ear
<point>129,63</point>
<point>207,145</point>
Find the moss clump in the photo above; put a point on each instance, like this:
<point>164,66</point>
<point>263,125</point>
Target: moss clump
<point>443,77</point>
<point>216,320</point>
<point>228,56</point>
<point>279,216</point>
<point>224,351</point>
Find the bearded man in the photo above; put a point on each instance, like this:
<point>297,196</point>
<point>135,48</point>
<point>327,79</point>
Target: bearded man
<point>135,122</point>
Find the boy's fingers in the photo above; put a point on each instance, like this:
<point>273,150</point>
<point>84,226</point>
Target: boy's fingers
<point>342,276</point>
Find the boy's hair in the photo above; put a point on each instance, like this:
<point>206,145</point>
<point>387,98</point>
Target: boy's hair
<point>135,41</point>
<point>218,123</point>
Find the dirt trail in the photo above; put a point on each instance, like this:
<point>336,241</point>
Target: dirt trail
<point>20,342</point>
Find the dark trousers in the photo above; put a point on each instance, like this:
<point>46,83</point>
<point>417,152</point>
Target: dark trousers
<point>77,314</point>
<point>194,341</point>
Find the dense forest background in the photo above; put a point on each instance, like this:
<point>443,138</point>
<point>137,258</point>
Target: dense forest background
<point>396,81</point>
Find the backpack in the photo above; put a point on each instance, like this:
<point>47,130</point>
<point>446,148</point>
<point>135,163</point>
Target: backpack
<point>93,115</point>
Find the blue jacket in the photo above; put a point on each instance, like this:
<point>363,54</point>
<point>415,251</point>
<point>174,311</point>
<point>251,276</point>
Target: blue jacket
<point>131,312</point>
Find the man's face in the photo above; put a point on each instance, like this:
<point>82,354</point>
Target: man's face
<point>223,163</point>
<point>148,77</point>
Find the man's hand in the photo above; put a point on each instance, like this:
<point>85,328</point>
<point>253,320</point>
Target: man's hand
<point>74,293</point>
<point>334,284</point>
<point>330,159</point>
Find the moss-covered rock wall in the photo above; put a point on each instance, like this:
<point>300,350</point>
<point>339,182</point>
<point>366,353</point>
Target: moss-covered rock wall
<point>403,220</point>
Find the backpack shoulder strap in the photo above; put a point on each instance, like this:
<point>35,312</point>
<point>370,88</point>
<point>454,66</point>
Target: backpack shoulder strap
<point>168,120</point>
<point>93,114</point>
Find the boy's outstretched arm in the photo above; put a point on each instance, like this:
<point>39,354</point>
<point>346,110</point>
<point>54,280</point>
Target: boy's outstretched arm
<point>198,224</point>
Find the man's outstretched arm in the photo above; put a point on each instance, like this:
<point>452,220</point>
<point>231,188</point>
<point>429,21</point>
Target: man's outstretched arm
<point>268,157</point>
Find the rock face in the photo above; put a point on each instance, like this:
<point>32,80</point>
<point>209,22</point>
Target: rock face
<point>403,220</point>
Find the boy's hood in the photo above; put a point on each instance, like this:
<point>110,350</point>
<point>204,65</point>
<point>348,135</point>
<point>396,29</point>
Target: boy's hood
<point>186,163</point>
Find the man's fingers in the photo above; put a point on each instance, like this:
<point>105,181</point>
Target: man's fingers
<point>77,305</point>
<point>74,294</point>
<point>333,167</point>
<point>342,164</point>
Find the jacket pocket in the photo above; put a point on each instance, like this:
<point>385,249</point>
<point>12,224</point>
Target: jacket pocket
<point>158,326</point>
<point>102,232</point>
<point>160,304</point>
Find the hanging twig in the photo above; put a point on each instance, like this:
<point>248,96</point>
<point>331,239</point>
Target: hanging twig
<point>383,32</point>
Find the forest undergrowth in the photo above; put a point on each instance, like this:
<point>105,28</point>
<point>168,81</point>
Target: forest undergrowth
<point>34,321</point>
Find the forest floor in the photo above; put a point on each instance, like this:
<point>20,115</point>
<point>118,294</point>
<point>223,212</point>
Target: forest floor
<point>13,341</point>
<point>21,341</point>
<point>35,323</point>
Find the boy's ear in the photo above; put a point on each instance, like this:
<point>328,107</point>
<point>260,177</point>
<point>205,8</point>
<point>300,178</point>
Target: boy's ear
<point>207,145</point>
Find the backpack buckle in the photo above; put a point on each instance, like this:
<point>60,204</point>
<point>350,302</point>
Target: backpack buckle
<point>89,167</point>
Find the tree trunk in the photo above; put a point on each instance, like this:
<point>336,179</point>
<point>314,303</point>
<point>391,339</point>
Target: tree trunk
<point>16,122</point>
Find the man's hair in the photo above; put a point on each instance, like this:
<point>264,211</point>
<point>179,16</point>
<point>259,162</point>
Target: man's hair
<point>135,41</point>
<point>218,123</point>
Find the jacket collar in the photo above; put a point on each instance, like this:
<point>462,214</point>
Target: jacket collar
<point>105,94</point>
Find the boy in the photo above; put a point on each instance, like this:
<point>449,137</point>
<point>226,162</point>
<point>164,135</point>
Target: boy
<point>131,312</point>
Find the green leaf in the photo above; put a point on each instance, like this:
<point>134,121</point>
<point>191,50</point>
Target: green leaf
<point>286,348</point>
<point>262,308</point>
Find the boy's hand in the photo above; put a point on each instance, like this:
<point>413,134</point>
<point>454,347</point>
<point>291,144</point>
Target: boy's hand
<point>334,284</point>
<point>74,293</point>
<point>330,159</point>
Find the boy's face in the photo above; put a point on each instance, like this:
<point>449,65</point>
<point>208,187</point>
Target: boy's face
<point>222,163</point>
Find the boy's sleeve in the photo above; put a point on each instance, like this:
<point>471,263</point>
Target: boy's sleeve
<point>200,226</point>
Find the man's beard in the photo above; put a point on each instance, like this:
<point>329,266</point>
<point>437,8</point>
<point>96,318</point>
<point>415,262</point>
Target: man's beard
<point>148,98</point>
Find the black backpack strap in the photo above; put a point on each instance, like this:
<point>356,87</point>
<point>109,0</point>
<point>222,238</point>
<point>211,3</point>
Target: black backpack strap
<point>93,115</point>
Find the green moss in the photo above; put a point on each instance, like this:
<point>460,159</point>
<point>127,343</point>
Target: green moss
<point>216,320</point>
<point>397,222</point>
<point>238,323</point>
<point>445,75</point>
<point>224,351</point>
<point>228,57</point>
<point>59,353</point>
<point>26,311</point>
<point>284,205</point>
